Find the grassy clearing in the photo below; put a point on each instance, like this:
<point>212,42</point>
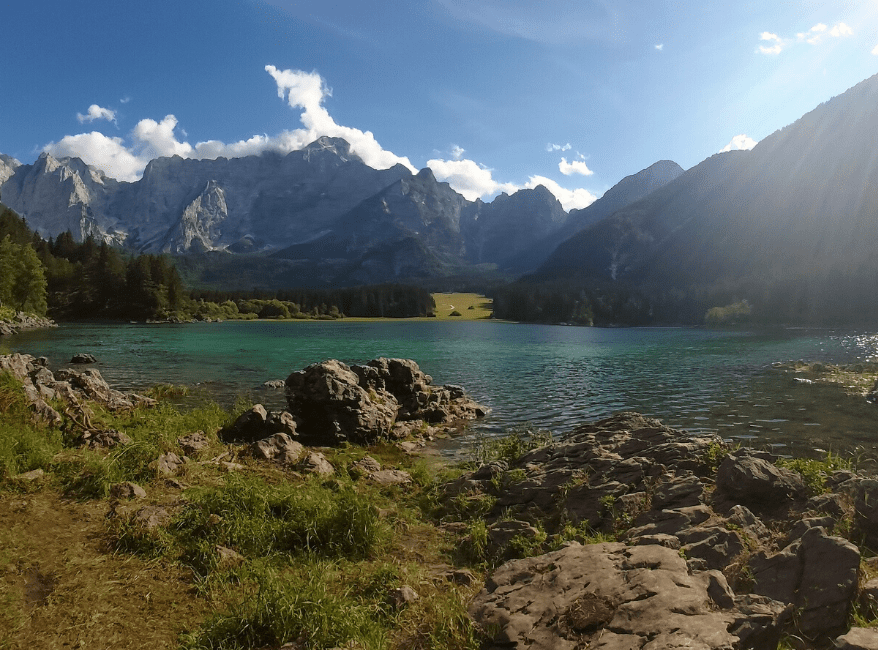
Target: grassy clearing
<point>314,560</point>
<point>462,306</point>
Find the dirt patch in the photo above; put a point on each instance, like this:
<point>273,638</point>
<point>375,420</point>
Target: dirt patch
<point>61,587</point>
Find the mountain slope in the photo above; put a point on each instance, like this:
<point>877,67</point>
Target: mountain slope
<point>630,189</point>
<point>795,220</point>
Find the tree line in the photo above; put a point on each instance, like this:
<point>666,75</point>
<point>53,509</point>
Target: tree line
<point>74,280</point>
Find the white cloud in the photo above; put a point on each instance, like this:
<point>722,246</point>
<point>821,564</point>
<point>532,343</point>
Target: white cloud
<point>469,178</point>
<point>557,147</point>
<point>574,167</point>
<point>95,112</point>
<point>457,152</point>
<point>770,49</point>
<point>818,32</point>
<point>875,50</point>
<point>570,199</point>
<point>109,154</point>
<point>814,36</point>
<point>739,143</point>
<point>475,181</point>
<point>841,31</point>
<point>306,91</point>
<point>660,47</point>
<point>151,139</point>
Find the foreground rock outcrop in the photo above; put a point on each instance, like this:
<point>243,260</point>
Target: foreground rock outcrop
<point>716,549</point>
<point>73,388</point>
<point>23,321</point>
<point>333,403</point>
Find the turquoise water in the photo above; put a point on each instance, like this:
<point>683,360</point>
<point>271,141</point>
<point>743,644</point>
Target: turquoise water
<point>552,376</point>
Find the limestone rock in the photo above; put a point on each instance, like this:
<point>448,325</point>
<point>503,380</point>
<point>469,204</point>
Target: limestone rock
<point>858,638</point>
<point>127,490</point>
<point>602,596</point>
<point>750,480</point>
<point>279,447</point>
<point>169,464</point>
<point>316,463</point>
<point>193,443</point>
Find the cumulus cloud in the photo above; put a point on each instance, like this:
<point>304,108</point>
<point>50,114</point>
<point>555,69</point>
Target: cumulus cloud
<point>469,178</point>
<point>771,38</point>
<point>457,152</point>
<point>307,90</point>
<point>660,47</point>
<point>819,32</point>
<point>875,50</point>
<point>814,36</point>
<point>95,112</point>
<point>570,199</point>
<point>475,181</point>
<point>151,139</point>
<point>557,147</point>
<point>574,167</point>
<point>739,143</point>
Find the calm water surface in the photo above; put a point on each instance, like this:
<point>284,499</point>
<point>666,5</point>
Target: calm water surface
<point>552,376</point>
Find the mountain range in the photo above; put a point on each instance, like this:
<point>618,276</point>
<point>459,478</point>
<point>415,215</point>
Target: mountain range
<point>318,216</point>
<point>790,226</point>
<point>787,230</point>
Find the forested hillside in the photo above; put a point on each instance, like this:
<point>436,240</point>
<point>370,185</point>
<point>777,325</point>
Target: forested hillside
<point>74,280</point>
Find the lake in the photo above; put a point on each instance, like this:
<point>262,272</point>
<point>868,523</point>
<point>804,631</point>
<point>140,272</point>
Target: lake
<point>551,376</point>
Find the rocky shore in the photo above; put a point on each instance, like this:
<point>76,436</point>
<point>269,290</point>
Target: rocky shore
<point>623,534</point>
<point>22,321</point>
<point>716,550</point>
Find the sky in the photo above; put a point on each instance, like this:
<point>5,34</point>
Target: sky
<point>492,95</point>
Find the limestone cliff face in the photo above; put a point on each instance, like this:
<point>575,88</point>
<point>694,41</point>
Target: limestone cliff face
<point>184,204</point>
<point>201,226</point>
<point>8,165</point>
<point>56,195</point>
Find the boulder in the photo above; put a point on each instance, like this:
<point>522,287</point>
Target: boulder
<point>817,574</point>
<point>609,596</point>
<point>333,403</point>
<point>193,443</point>
<point>748,479</point>
<point>83,357</point>
<point>279,447</point>
<point>315,463</point>
<point>858,638</point>
<point>332,407</point>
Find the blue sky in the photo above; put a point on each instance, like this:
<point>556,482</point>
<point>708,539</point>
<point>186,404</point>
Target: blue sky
<point>493,95</point>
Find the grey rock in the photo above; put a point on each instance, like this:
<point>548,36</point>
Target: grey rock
<point>279,447</point>
<point>749,523</point>
<point>858,638</point>
<point>750,480</point>
<point>315,463</point>
<point>602,596</point>
<point>390,477</point>
<point>677,492</point>
<point>83,357</point>
<point>169,464</point>
<point>107,439</point>
<point>193,443</point>
<point>402,596</point>
<point>127,490</point>
<point>31,476</point>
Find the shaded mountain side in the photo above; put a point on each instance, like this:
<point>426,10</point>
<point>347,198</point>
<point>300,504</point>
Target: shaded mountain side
<point>504,230</point>
<point>625,192</point>
<point>791,226</point>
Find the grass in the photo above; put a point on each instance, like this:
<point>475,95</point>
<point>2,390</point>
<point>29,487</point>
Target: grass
<point>462,306</point>
<point>318,557</point>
